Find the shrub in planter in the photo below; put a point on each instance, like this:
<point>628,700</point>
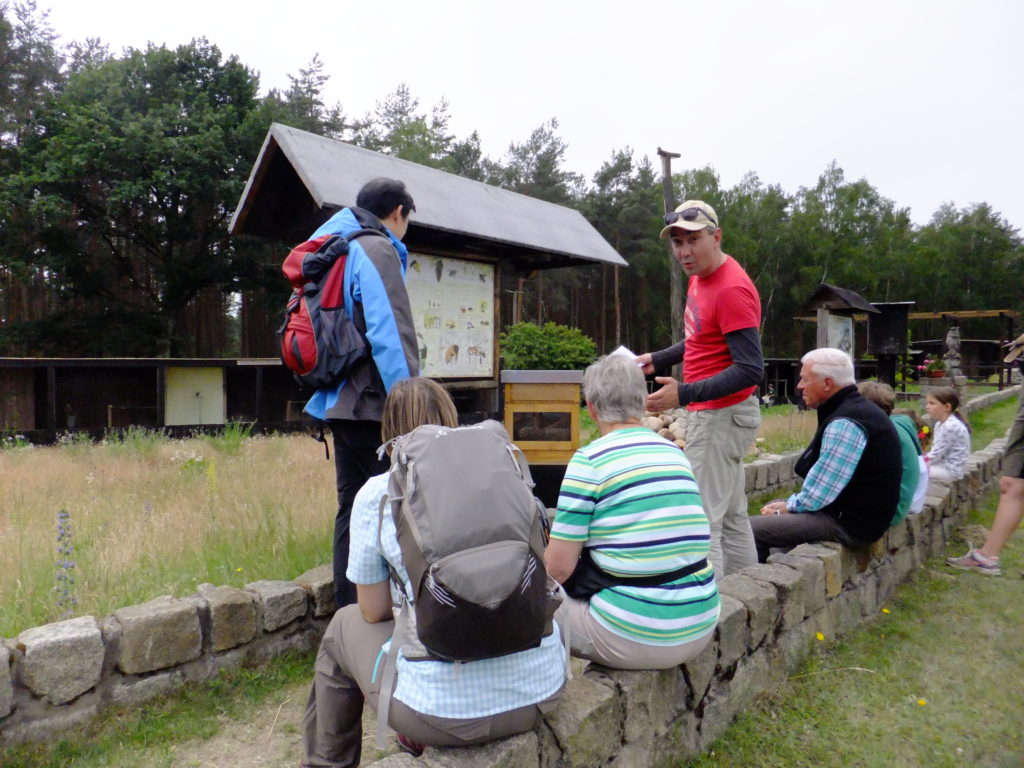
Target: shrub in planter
<point>551,347</point>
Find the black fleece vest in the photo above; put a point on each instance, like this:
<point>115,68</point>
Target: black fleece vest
<point>864,508</point>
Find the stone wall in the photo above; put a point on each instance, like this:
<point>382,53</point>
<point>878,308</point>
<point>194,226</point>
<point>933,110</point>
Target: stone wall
<point>60,674</point>
<point>64,673</point>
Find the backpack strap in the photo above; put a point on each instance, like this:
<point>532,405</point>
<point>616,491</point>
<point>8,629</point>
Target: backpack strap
<point>387,675</point>
<point>319,437</point>
<point>519,459</point>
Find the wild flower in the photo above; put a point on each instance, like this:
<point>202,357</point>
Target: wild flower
<point>65,577</point>
<point>14,441</point>
<point>190,461</point>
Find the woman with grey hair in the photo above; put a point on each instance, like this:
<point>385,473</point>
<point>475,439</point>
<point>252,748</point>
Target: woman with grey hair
<point>630,539</point>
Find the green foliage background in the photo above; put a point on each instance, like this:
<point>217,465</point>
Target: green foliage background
<point>119,173</point>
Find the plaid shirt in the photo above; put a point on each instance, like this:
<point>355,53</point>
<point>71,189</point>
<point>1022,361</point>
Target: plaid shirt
<point>442,688</point>
<point>842,445</point>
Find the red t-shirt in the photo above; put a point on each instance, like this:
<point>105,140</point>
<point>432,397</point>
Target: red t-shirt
<point>723,302</point>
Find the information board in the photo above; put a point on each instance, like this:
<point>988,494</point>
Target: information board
<point>453,310</point>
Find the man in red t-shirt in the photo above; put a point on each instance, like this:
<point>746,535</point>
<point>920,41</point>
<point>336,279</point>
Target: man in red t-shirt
<point>722,366</point>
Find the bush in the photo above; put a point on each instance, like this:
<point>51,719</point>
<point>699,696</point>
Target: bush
<point>553,347</point>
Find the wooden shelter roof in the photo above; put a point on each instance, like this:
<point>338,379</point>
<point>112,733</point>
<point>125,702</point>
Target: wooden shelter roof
<point>300,179</point>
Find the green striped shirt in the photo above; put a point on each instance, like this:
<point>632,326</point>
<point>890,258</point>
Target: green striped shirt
<point>631,498</point>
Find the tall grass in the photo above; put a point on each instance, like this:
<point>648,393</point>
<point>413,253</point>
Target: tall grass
<point>786,428</point>
<point>155,516</point>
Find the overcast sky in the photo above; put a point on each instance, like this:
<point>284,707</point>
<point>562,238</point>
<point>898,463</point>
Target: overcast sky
<point>923,98</point>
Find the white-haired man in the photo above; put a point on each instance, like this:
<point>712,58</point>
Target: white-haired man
<point>851,469</point>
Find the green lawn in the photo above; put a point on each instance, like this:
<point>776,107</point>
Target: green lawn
<point>934,682</point>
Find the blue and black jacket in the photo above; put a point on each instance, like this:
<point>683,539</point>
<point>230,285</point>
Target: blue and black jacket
<point>377,301</point>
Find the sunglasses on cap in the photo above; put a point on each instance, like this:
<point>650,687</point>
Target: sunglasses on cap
<point>690,214</point>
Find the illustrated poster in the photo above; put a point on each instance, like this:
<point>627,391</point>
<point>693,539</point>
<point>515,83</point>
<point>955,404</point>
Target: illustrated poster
<point>453,310</point>
<point>840,333</point>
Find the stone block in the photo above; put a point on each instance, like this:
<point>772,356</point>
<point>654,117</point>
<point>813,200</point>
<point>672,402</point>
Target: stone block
<point>868,590</point>
<point>6,682</point>
<point>937,488</point>
<point>761,603</point>
<point>851,560</point>
<point>733,637</point>
<point>878,549</point>
<point>753,677</point>
<point>794,646</point>
<point>232,614</point>
<point>760,474</point>
<point>903,564</point>
<point>938,537</point>
<point>813,578</point>
<point>822,622</point>
<point>915,525</point>
<point>281,602</point>
<point>699,670</point>
<point>634,755</point>
<point>519,751</point>
<point>787,467</point>
<point>886,583</point>
<point>847,609</point>
<point>789,586</point>
<point>587,723</point>
<point>319,584</point>
<point>52,725</point>
<point>898,536</point>
<point>717,717</point>
<point>161,633</point>
<point>63,660</point>
<point>773,468</point>
<point>550,752</point>
<point>749,477</point>
<point>648,696</point>
<point>131,692</point>
<point>831,559</point>
<point>680,742</point>
<point>730,697</point>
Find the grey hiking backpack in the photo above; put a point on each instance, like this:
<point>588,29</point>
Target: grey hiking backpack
<point>472,537</point>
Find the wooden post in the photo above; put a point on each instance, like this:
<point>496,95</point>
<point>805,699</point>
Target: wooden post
<point>675,271</point>
<point>822,338</point>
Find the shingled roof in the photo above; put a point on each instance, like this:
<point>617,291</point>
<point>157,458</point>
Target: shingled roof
<point>300,179</point>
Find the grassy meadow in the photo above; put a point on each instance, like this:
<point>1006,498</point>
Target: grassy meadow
<point>148,516</point>
<point>87,528</point>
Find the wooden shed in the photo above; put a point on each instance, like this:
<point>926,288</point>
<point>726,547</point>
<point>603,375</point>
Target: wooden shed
<point>462,238</point>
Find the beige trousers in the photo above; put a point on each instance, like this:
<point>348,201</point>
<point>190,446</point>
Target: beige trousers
<point>716,442</point>
<point>591,640</point>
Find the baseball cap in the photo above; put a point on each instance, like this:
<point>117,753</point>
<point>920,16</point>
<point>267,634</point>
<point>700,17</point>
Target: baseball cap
<point>692,215</point>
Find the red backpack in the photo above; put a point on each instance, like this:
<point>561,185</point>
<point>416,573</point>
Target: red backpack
<point>319,341</point>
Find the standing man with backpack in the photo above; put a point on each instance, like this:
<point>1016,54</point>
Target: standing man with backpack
<point>377,301</point>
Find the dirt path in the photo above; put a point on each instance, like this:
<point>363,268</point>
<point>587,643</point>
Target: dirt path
<point>270,736</point>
